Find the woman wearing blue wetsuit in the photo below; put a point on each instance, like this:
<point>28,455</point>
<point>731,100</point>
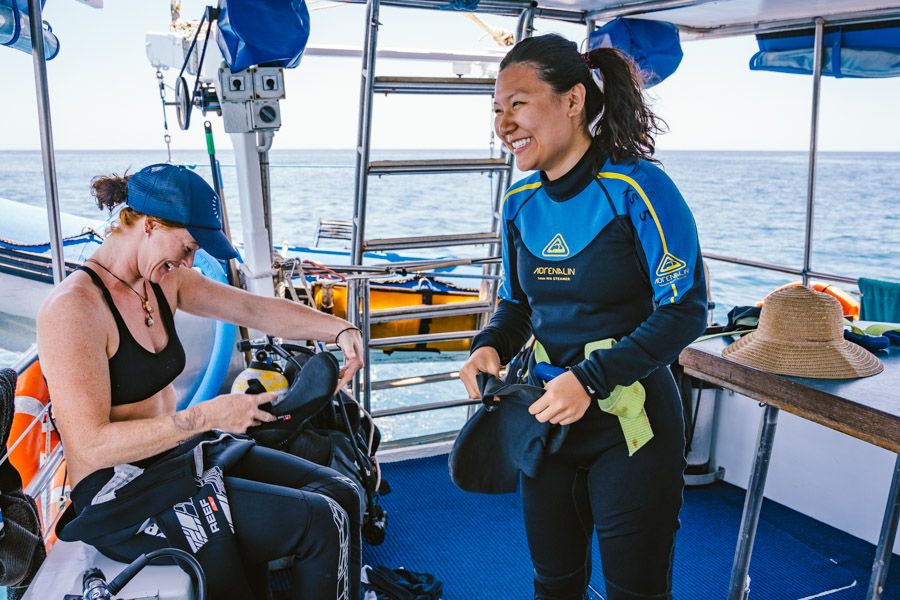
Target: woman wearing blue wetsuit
<point>602,265</point>
<point>109,351</point>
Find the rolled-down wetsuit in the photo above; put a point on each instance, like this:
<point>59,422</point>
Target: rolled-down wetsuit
<point>248,507</point>
<point>281,506</point>
<point>590,256</point>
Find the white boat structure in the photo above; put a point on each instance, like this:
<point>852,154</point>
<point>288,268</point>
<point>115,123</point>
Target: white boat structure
<point>850,483</point>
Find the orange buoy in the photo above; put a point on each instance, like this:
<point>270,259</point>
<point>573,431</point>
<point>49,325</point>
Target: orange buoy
<point>28,439</point>
<point>849,304</point>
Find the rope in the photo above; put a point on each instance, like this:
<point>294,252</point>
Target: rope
<point>162,96</point>
<point>250,274</point>
<point>82,238</point>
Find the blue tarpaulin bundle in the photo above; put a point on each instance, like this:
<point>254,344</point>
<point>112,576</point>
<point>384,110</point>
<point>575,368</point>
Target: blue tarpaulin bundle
<point>864,50</point>
<point>653,45</point>
<point>257,32</point>
<point>15,28</point>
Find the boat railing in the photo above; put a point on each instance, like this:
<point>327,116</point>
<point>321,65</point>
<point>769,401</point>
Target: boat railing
<point>500,170</point>
<point>333,229</point>
<point>803,273</point>
<point>370,275</point>
<point>361,280</point>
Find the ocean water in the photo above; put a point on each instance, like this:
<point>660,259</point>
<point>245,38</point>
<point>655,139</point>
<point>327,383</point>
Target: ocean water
<point>746,204</point>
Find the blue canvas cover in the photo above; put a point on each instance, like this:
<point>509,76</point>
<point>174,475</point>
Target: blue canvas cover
<point>15,29</point>
<point>864,50</point>
<point>653,45</point>
<point>256,32</point>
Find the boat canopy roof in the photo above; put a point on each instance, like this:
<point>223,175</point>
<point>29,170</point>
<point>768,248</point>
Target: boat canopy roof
<point>694,18</point>
<point>859,50</point>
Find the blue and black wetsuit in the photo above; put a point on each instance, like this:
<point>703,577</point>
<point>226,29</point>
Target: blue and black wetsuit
<point>589,256</point>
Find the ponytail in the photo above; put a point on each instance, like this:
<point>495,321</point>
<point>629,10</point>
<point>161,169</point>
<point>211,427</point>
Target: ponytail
<point>621,124</point>
<point>626,127</point>
<point>109,191</point>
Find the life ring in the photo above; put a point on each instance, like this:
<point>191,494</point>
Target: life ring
<point>849,304</point>
<point>31,441</point>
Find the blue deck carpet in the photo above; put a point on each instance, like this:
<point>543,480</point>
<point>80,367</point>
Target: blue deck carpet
<point>476,544</point>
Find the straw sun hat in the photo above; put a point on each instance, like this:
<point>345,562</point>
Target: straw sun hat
<point>801,333</point>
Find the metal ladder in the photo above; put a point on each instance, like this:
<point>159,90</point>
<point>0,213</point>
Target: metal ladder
<point>358,289</point>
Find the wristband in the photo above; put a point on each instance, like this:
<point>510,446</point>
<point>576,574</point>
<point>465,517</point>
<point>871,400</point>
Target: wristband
<point>345,329</point>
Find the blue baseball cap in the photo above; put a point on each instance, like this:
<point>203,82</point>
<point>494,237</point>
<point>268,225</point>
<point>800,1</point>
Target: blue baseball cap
<point>177,194</point>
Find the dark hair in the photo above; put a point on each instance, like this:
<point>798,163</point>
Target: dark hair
<point>109,191</point>
<point>627,126</point>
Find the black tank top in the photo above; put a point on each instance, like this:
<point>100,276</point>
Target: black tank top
<point>135,373</point>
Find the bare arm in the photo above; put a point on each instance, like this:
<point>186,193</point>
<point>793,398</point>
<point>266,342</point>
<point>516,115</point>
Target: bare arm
<point>72,339</point>
<point>202,296</point>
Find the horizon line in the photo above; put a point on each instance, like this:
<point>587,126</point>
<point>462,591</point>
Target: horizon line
<point>413,149</point>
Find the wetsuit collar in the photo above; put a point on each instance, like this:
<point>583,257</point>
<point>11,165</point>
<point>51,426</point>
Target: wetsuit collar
<point>572,182</point>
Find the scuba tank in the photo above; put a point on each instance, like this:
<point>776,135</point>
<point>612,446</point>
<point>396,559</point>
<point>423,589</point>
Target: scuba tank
<point>265,371</point>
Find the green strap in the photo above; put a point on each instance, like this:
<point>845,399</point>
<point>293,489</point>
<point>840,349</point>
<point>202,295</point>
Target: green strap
<point>872,329</point>
<point>625,402</point>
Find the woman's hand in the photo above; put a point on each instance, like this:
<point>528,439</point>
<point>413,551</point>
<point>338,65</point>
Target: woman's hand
<point>351,344</point>
<point>235,413</point>
<point>483,360</point>
<point>564,401</point>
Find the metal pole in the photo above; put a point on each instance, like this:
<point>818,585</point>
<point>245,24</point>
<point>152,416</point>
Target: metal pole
<point>525,24</point>
<point>353,287</point>
<point>489,285</point>
<point>364,325</point>
<point>739,586</point>
<point>216,176</point>
<point>886,538</point>
<point>257,249</point>
<point>357,290</point>
<point>264,143</point>
<point>813,144</point>
<point>364,132</point>
<point>51,189</point>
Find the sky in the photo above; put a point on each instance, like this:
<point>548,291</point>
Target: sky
<point>104,93</point>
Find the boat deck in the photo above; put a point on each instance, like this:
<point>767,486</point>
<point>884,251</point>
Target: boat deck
<point>475,544</point>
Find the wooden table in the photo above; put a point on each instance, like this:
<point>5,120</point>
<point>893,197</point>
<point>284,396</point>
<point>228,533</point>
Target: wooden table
<point>867,409</point>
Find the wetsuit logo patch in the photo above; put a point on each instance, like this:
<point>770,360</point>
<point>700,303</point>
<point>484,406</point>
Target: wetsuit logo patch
<point>669,264</point>
<point>191,526</point>
<point>557,248</point>
<point>554,273</point>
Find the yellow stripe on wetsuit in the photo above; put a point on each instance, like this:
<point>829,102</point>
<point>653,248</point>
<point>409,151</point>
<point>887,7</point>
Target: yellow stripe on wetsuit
<point>522,188</point>
<point>640,191</point>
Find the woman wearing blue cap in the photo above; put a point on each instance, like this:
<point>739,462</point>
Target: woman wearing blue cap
<point>110,352</point>
<point>602,265</point>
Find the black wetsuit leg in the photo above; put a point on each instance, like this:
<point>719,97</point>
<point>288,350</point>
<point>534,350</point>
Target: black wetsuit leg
<point>257,526</point>
<point>559,525</point>
<point>282,507</point>
<point>633,502</point>
<point>636,525</point>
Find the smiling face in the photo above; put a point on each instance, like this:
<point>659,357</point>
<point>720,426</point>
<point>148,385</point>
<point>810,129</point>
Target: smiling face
<point>168,248</point>
<point>543,129</point>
